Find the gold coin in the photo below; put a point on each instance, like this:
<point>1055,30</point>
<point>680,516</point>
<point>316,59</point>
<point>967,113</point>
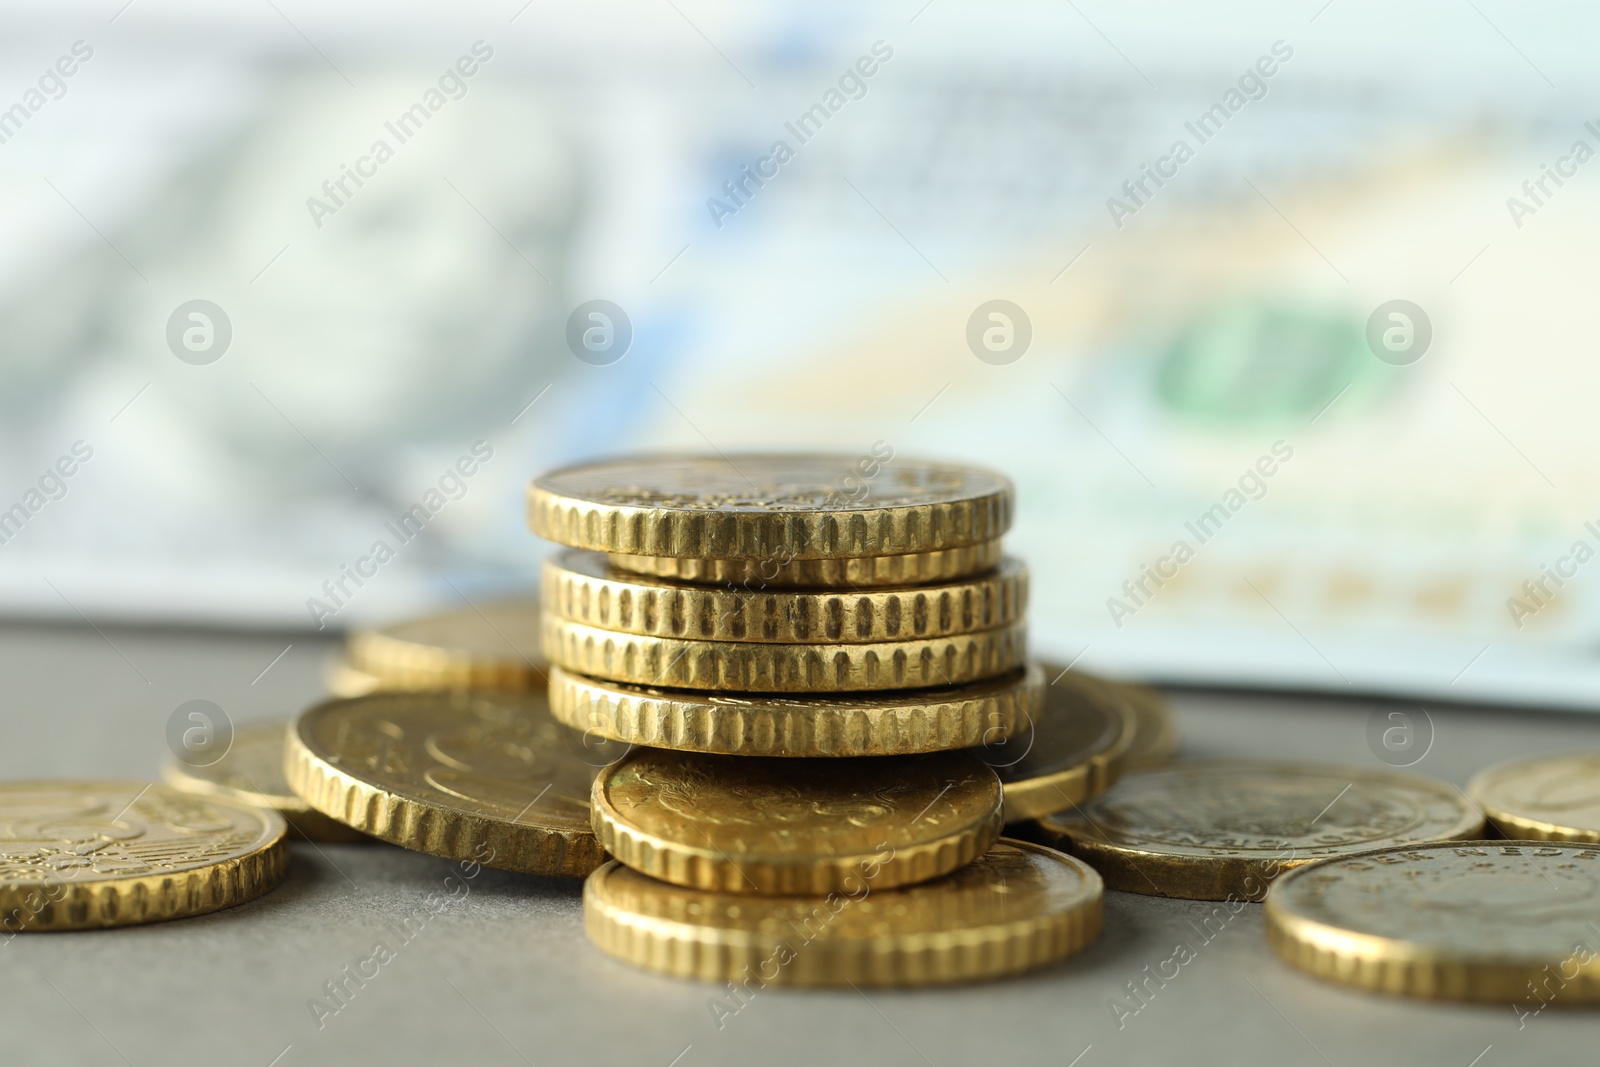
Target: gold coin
<point>794,825</point>
<point>1068,752</point>
<point>80,855</point>
<point>768,507</point>
<point>484,777</point>
<point>495,647</point>
<point>1499,921</point>
<point>578,586</point>
<point>1223,829</point>
<point>883,724</point>
<point>1017,907</point>
<point>748,667</point>
<point>1548,798</point>
<point>1155,735</point>
<point>860,572</point>
<point>251,773</point>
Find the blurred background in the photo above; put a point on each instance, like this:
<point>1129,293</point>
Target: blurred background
<point>277,274</point>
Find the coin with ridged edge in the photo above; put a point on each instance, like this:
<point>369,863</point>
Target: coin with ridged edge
<point>490,646</point>
<point>860,572</point>
<point>83,855</point>
<point>750,667</point>
<point>251,773</point>
<point>1547,798</point>
<point>484,777</point>
<point>769,506</point>
<point>1017,907</point>
<point>1509,922</point>
<point>579,586</point>
<point>1067,752</point>
<point>794,825</point>
<point>1223,829</point>
<point>880,724</point>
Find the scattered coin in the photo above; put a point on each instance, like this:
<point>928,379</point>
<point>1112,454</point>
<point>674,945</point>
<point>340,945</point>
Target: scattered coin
<point>876,724</point>
<point>795,825</point>
<point>855,573</point>
<point>486,777</point>
<point>580,587</point>
<point>751,667</point>
<point>252,774</point>
<point>343,680</point>
<point>1547,798</point>
<point>1019,906</point>
<point>1499,921</point>
<point>1068,753</point>
<point>80,855</point>
<point>769,507</point>
<point>1155,734</point>
<point>495,646</point>
<point>1223,829</point>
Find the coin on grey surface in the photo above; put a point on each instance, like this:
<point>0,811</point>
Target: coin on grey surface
<point>1223,829</point>
<point>1548,798</point>
<point>493,645</point>
<point>1515,922</point>
<point>252,774</point>
<point>81,855</point>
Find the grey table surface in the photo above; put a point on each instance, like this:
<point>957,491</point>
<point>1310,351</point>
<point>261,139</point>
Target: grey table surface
<point>503,975</point>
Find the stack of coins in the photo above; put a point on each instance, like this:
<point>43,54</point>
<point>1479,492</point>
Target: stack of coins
<point>802,646</point>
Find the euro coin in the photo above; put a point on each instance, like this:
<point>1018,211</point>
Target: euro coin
<point>776,724</point>
<point>751,667</point>
<point>1548,798</point>
<point>853,573</point>
<point>769,507</point>
<point>1068,752</point>
<point>1017,907</point>
<point>1507,922</point>
<point>81,855</point>
<point>493,646</point>
<point>482,777</point>
<point>580,587</point>
<point>251,773</point>
<point>1223,829</point>
<point>795,825</point>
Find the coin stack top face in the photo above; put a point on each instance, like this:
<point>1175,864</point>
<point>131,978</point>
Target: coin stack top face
<point>1547,798</point>
<point>490,778</point>
<point>1018,906</point>
<point>1223,829</point>
<point>768,507</point>
<point>80,855</point>
<point>1506,921</point>
<point>795,825</point>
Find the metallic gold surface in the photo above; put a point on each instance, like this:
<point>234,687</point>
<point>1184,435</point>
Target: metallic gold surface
<point>748,667</point>
<point>879,724</point>
<point>1502,921</point>
<point>344,680</point>
<point>793,825</point>
<point>1547,798</point>
<point>251,773</point>
<point>1155,734</point>
<point>1223,829</point>
<point>768,507</point>
<point>486,777</point>
<point>1017,907</point>
<point>1068,752</point>
<point>80,855</point>
<point>860,572</point>
<point>580,587</point>
<point>491,646</point>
